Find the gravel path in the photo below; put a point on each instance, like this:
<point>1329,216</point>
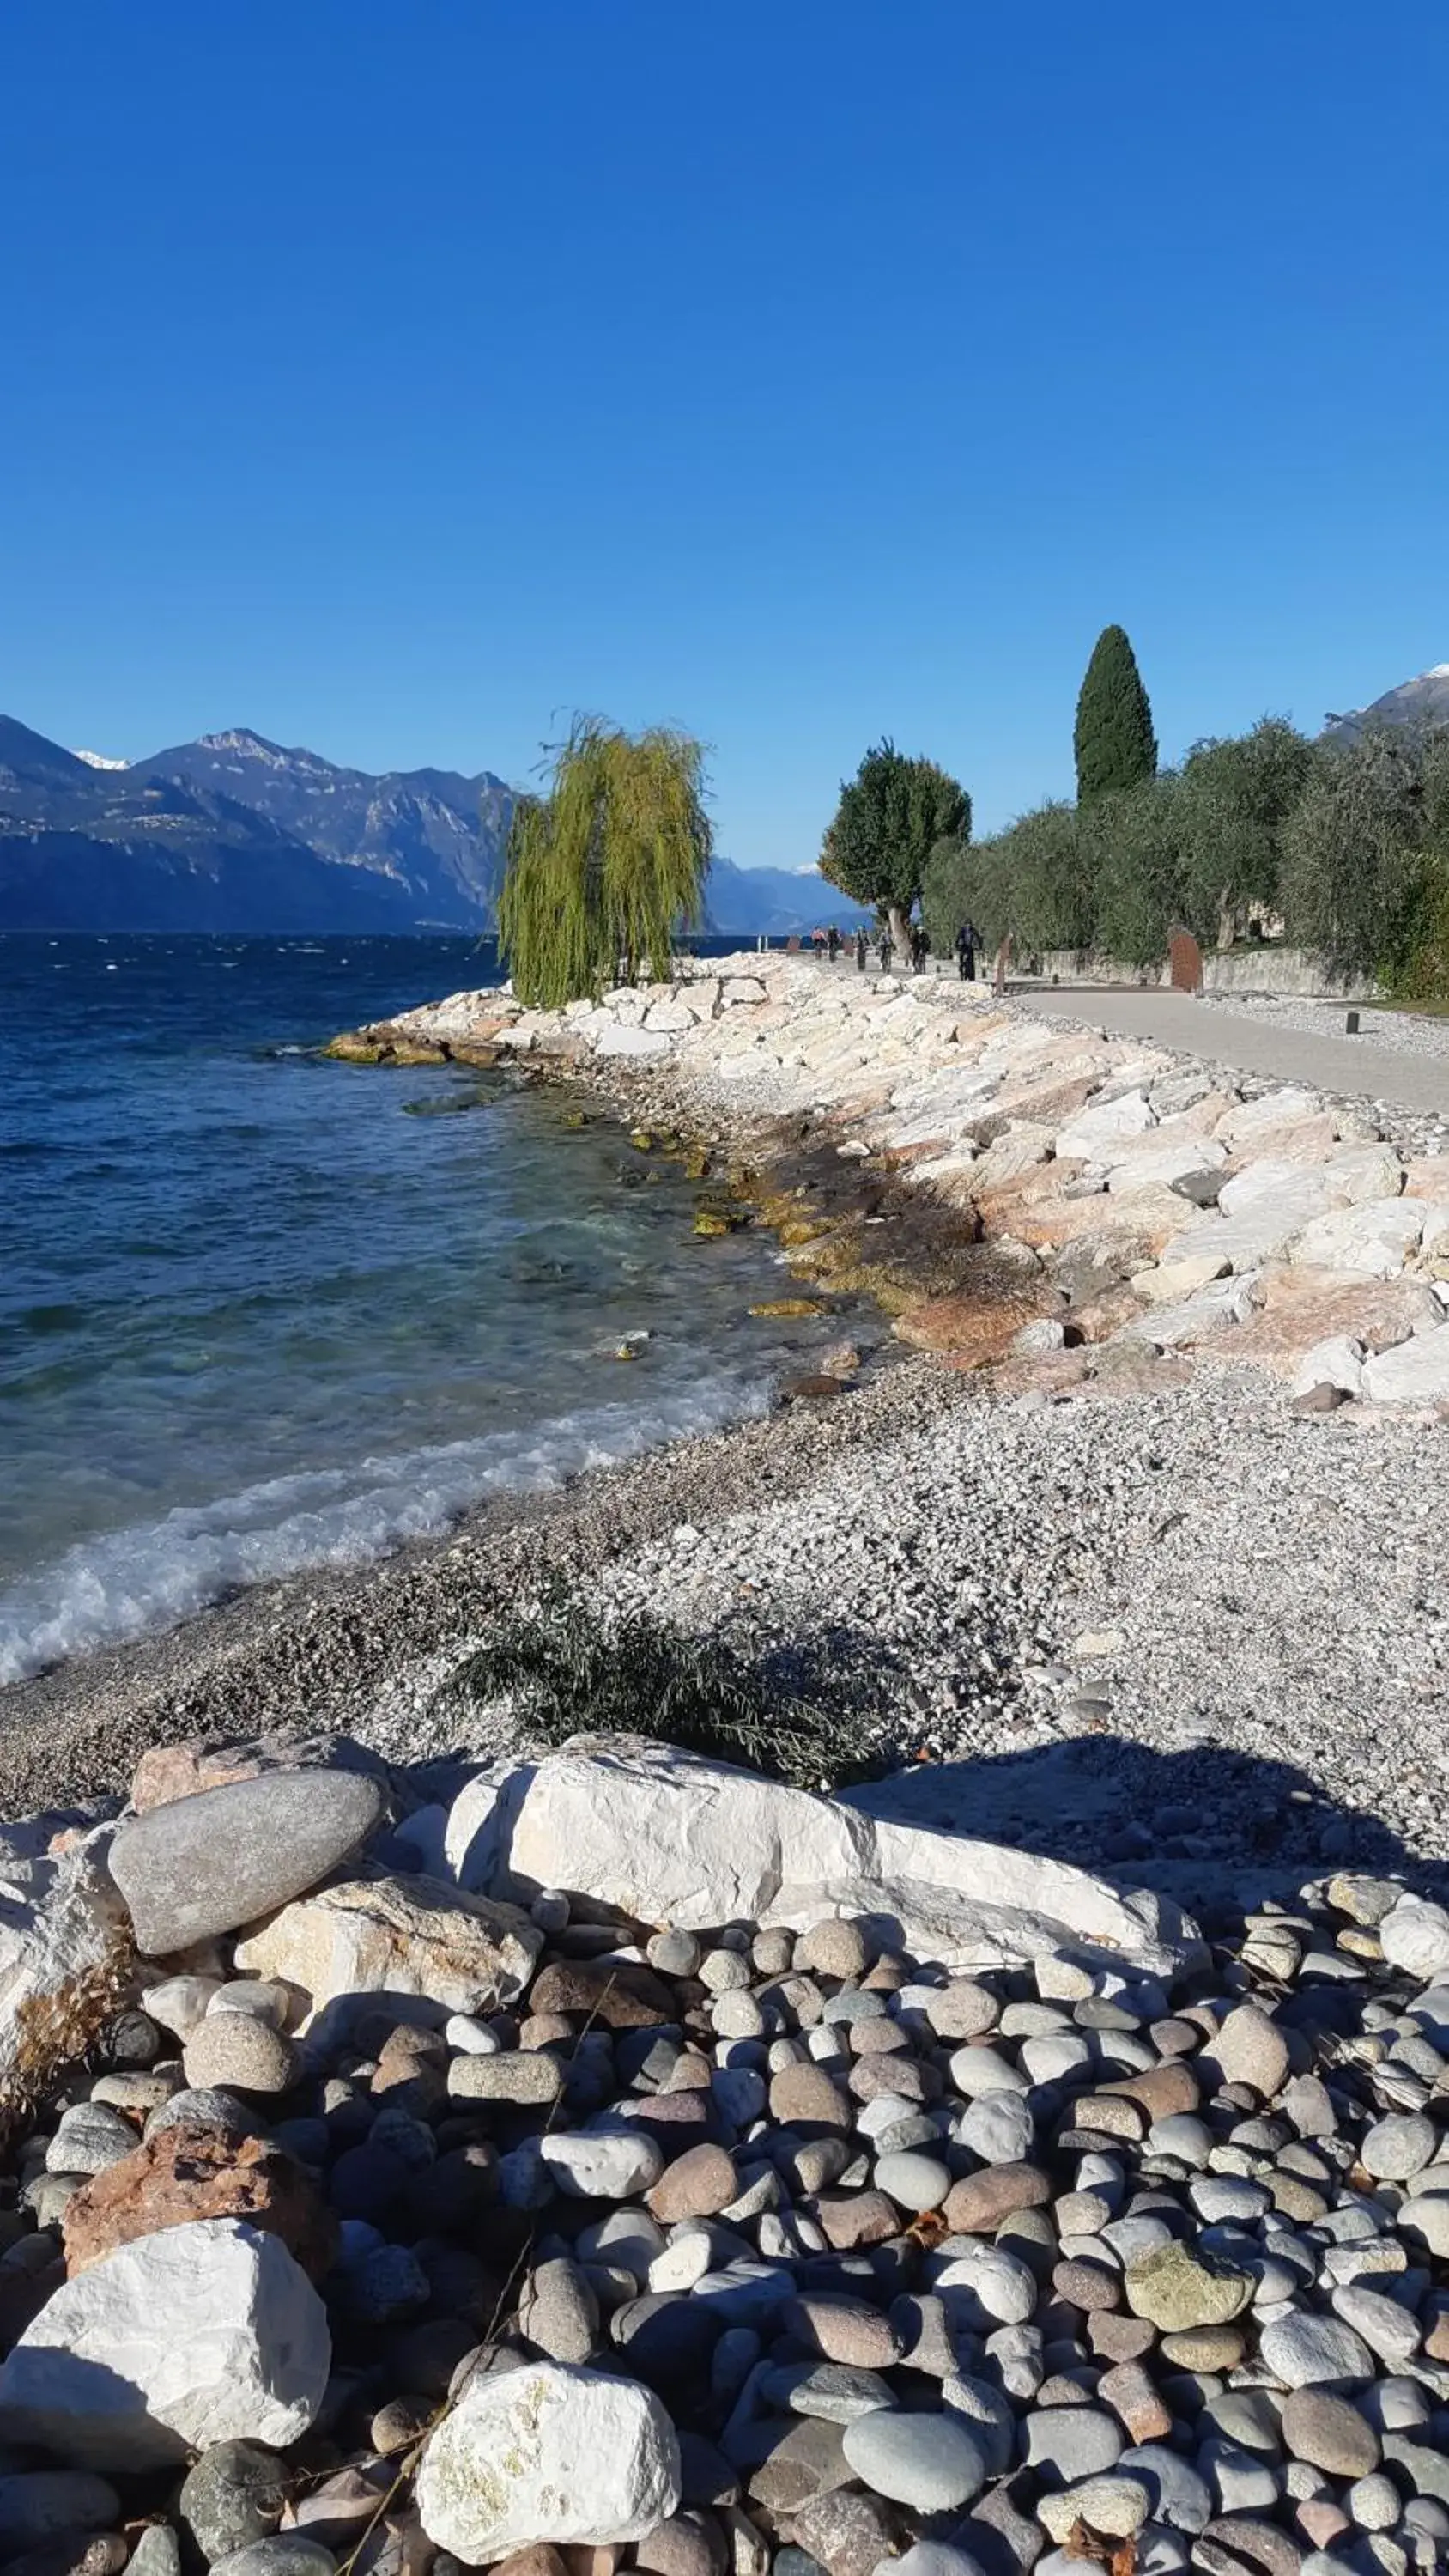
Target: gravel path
<point>1362,1068</point>
<point>1405,1032</point>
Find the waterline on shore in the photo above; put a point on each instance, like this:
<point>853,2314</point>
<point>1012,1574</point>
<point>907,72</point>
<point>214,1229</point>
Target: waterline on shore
<point>134,1582</point>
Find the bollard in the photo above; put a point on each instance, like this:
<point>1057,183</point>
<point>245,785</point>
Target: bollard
<point>1351,1024</point>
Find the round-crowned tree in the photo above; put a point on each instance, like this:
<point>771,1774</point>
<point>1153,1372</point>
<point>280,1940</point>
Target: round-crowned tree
<point>1115,744</point>
<point>891,816</point>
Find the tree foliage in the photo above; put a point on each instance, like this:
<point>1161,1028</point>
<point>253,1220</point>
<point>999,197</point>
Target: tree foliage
<point>606,863</point>
<point>1365,853</point>
<point>890,818</point>
<point>1233,800</point>
<point>1116,747</point>
<point>1134,857</point>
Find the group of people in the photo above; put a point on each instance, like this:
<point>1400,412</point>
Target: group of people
<point>968,940</point>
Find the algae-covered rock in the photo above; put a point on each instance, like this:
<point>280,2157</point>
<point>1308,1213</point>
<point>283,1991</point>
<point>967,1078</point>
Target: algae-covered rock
<point>351,1047</point>
<point>786,1309</point>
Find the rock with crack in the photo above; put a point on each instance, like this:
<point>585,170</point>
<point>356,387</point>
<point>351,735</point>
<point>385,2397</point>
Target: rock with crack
<point>668,1837</point>
<point>548,2454</point>
<point>447,1951</point>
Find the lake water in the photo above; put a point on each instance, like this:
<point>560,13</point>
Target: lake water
<point>260,1312</point>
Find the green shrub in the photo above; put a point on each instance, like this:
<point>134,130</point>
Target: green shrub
<point>570,1669</point>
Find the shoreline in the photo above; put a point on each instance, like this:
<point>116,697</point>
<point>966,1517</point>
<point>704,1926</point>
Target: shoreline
<point>1068,1425</point>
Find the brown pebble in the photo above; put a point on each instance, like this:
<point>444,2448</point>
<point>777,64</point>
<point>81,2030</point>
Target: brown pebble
<point>596,2558</point>
<point>620,1993</point>
<point>690,2073</point>
<point>858,2218</point>
<point>915,2081</point>
<point>838,1949</point>
<point>807,2461</point>
<point>881,2037</point>
<point>804,2095</point>
<point>698,2184</point>
<point>1108,2115</point>
<point>539,2559</point>
<point>688,2544</point>
<point>1161,2090</point>
<point>1115,2337</point>
<point>962,2010</point>
<point>546,2030</point>
<point>977,2204</point>
<point>1204,2348</point>
<point>1087,2285</point>
<point>842,2329</point>
<point>847,2531</point>
<point>1133,2398</point>
<point>1175,2037</point>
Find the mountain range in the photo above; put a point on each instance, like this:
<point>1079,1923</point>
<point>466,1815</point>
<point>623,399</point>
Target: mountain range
<point>1422,701</point>
<point>234,833</point>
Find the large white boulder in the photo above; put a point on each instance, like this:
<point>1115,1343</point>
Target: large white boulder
<point>548,2453</point>
<point>1373,1238</point>
<point>674,1839</point>
<point>1413,1372</point>
<point>1095,1129</point>
<point>205,2333</point>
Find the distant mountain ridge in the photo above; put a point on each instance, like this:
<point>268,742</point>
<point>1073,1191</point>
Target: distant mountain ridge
<point>1420,701</point>
<point>236,833</point>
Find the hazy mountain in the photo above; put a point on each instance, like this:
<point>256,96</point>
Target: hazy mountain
<point>1424,701</point>
<point>237,833</point>
<point>775,899</point>
<point>437,837</point>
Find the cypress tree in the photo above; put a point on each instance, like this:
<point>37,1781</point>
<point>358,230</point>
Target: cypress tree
<point>1115,744</point>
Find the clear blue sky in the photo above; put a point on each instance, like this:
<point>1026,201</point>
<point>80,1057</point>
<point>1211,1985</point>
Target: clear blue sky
<point>397,375</point>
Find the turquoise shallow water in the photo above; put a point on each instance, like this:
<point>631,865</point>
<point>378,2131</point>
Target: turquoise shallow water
<point>260,1311</point>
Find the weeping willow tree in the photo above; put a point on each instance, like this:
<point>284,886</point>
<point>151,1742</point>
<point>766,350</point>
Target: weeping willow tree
<point>604,865</point>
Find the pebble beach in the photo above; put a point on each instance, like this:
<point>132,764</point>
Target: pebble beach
<point>427,2150</point>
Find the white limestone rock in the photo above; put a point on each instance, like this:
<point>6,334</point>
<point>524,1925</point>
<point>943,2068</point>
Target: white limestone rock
<point>1335,1362</point>
<point>205,2333</point>
<point>1373,1238</point>
<point>1174,1281</point>
<point>375,1934</point>
<point>548,2453</point>
<point>1413,1372</point>
<point>674,1839</point>
<point>618,1040</point>
<point>1089,1135</point>
<point>1415,1933</point>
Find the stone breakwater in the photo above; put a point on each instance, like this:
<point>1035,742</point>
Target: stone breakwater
<point>617,2161</point>
<point>1146,1210</point>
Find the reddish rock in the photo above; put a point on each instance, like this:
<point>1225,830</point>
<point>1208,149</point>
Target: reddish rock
<point>171,1771</point>
<point>968,1331</point>
<point>851,2218</point>
<point>182,2174</point>
<point>1161,2090</point>
<point>977,2204</point>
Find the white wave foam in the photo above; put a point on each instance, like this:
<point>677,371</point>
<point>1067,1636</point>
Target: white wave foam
<point>132,1582</point>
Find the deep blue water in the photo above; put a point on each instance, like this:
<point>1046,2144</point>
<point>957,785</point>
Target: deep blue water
<point>259,1311</point>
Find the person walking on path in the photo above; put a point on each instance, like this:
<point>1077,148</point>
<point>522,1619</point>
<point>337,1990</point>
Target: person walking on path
<point>920,947</point>
<point>887,949</point>
<point>862,950</point>
<point>966,952</point>
<point>832,943</point>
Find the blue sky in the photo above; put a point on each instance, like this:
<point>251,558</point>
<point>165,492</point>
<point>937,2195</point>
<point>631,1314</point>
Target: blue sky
<point>396,375</point>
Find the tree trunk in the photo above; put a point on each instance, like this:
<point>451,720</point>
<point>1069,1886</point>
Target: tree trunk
<point>900,931</point>
<point>1227,921</point>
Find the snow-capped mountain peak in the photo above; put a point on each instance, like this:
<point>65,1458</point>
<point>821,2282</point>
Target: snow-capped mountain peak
<point>98,760</point>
